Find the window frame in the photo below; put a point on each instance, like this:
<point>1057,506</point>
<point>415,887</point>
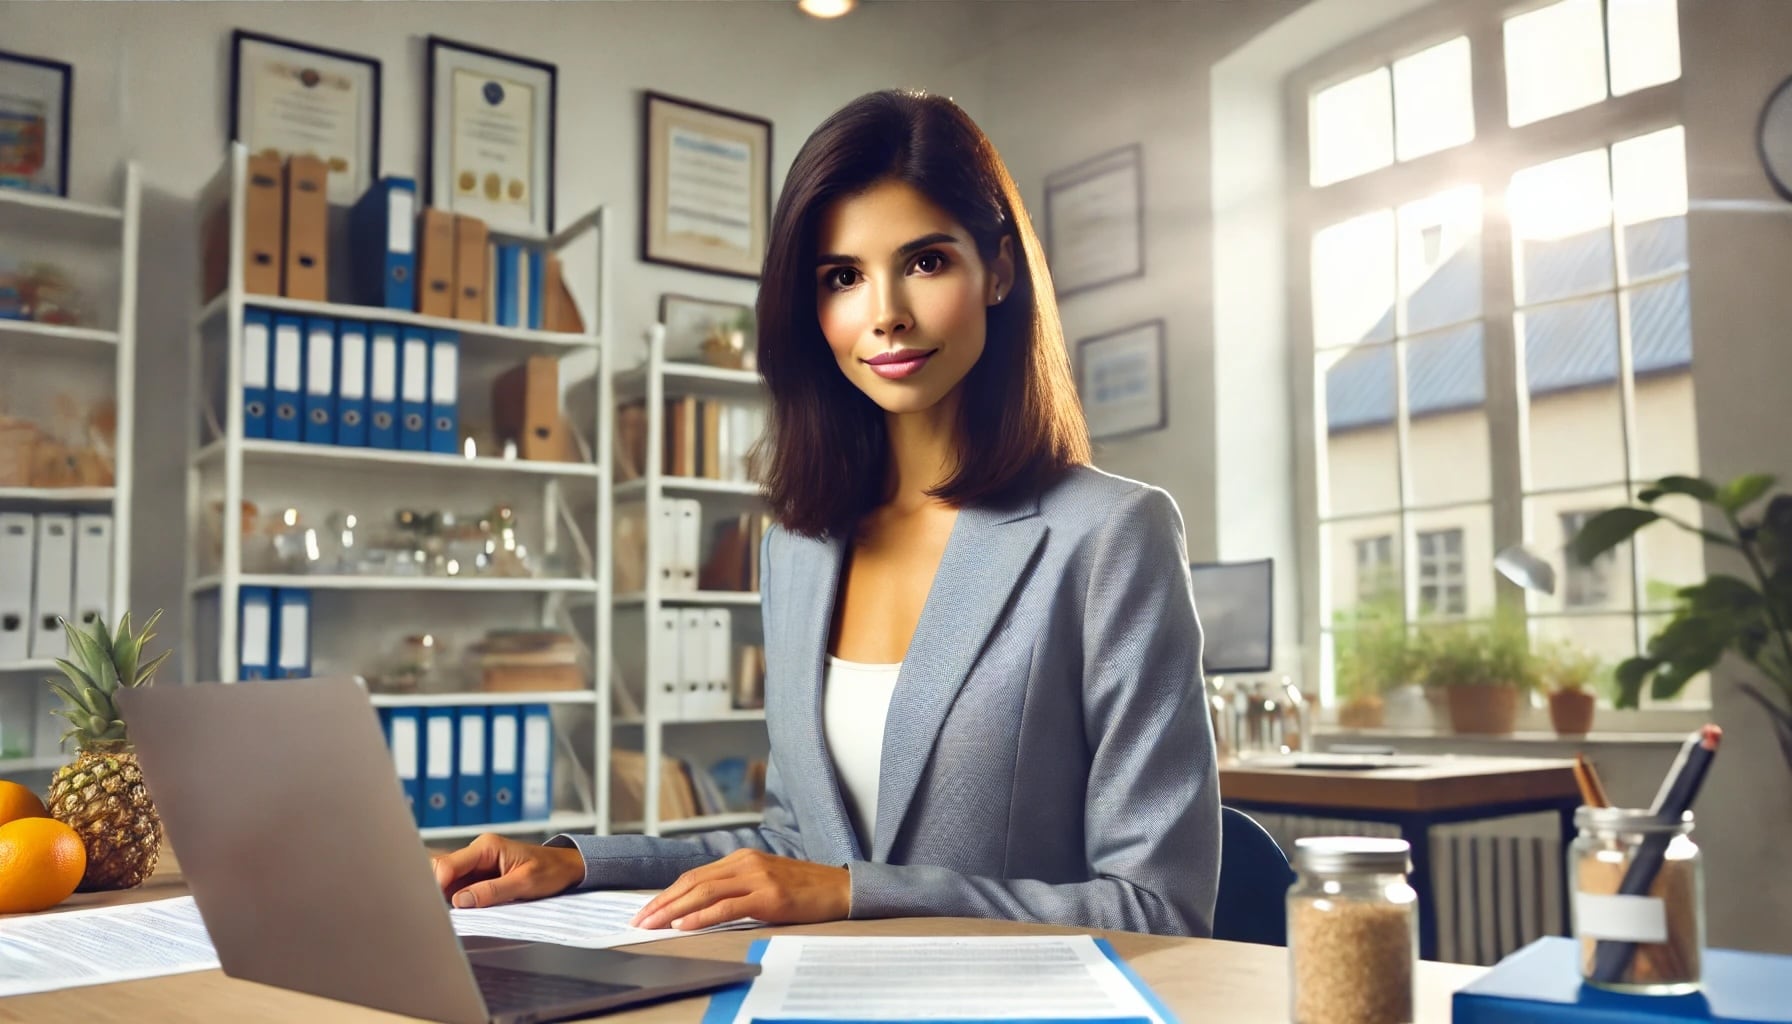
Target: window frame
<point>1490,159</point>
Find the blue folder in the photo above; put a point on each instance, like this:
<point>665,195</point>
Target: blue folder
<point>320,381</point>
<point>472,778</point>
<point>507,257</point>
<point>255,627</point>
<point>444,387</point>
<point>292,632</point>
<point>536,286</point>
<point>503,751</point>
<point>258,366</point>
<point>1541,984</point>
<point>351,383</point>
<point>289,379</point>
<point>383,353</point>
<point>382,232</point>
<point>538,762</point>
<point>438,767</point>
<point>725,1004</point>
<point>413,391</point>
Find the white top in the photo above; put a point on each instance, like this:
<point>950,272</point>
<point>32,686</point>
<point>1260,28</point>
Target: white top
<point>855,702</point>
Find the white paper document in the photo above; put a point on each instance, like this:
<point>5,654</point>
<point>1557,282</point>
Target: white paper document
<point>593,920</point>
<point>1043,977</point>
<point>147,940</point>
<point>103,945</point>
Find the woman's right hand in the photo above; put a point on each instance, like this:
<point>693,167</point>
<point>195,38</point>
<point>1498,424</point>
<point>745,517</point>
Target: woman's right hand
<point>491,870</point>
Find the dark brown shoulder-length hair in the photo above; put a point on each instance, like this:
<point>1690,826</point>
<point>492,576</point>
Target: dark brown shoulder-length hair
<point>825,456</point>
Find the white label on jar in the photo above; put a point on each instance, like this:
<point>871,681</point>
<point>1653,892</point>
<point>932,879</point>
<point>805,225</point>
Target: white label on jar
<point>1624,918</point>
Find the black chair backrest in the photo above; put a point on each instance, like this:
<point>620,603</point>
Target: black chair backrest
<point>1254,879</point>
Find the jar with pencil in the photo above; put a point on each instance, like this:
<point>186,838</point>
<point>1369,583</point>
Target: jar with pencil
<point>1638,881</point>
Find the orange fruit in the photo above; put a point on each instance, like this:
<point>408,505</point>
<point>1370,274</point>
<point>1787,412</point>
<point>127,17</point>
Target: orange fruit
<point>41,862</point>
<point>18,801</point>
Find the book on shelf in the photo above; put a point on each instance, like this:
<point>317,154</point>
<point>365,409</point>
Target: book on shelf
<point>734,553</point>
<point>703,438</point>
<point>628,787</point>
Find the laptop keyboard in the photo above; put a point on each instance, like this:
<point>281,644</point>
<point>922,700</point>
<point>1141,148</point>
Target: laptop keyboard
<point>507,990</point>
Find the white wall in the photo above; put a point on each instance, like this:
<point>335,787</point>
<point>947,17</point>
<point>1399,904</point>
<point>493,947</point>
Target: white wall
<point>152,84</point>
<point>1740,238</point>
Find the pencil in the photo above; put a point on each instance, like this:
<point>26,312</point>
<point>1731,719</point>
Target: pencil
<point>1592,791</point>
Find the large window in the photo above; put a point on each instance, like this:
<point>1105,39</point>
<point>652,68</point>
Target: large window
<point>1499,332</point>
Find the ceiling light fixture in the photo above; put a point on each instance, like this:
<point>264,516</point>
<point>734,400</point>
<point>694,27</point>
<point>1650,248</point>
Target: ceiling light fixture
<point>826,8</point>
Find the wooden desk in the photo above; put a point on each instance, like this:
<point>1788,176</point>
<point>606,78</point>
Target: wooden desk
<point>1199,979</point>
<point>1438,791</point>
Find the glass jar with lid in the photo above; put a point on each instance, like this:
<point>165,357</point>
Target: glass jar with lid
<point>1353,933</point>
<point>1639,907</point>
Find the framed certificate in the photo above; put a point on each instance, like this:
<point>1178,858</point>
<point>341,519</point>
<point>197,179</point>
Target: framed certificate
<point>1095,221</point>
<point>295,99</point>
<point>1120,376</point>
<point>490,151</point>
<point>708,181</point>
<point>34,103</point>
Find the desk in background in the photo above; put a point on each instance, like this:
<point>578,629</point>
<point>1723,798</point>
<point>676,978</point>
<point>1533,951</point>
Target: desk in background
<point>1199,979</point>
<point>1438,791</point>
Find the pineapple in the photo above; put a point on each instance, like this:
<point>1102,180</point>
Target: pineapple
<point>101,795</point>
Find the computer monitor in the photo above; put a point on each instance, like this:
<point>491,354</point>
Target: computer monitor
<point>1235,601</point>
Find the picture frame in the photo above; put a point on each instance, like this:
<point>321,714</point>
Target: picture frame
<point>490,121</point>
<point>706,184</point>
<point>289,97</point>
<point>688,321</point>
<point>1120,376</point>
<point>35,97</point>
<point>1095,221</point>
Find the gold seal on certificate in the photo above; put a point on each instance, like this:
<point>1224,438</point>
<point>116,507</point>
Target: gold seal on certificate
<point>292,99</point>
<point>491,145</point>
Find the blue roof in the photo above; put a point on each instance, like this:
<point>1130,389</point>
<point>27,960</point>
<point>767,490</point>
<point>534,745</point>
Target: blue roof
<point>1567,346</point>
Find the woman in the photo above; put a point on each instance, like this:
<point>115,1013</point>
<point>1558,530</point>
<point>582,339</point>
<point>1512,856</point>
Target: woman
<point>983,664</point>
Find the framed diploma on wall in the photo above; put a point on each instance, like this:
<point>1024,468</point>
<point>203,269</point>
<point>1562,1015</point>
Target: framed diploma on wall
<point>34,101</point>
<point>490,151</point>
<point>1095,221</point>
<point>708,182</point>
<point>293,98</point>
<point>1120,376</point>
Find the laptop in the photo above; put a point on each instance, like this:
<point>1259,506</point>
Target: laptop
<point>290,826</point>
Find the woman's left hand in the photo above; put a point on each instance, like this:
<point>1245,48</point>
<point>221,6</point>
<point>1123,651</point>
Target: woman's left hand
<point>751,883</point>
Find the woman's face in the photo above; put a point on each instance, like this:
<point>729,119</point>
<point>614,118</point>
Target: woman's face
<point>902,295</point>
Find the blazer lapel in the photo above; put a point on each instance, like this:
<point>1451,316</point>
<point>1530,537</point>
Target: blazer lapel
<point>985,557</point>
<point>809,595</point>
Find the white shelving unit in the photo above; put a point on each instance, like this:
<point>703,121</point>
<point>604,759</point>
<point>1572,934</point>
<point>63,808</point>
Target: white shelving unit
<point>97,244</point>
<point>223,465</point>
<point>655,380</point>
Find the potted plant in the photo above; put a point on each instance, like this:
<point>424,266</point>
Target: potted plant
<point>1748,617</point>
<point>1373,657</point>
<point>1568,675</point>
<point>1480,669</point>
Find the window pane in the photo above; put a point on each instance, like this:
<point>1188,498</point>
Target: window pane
<point>1364,562</point>
<point>1645,43</point>
<point>1661,352</point>
<point>1552,521</point>
<point>1440,259</point>
<point>1433,101</point>
<point>1452,551</point>
<point>1668,557</point>
<point>1571,374</point>
<point>1353,128</point>
<point>1561,226</point>
<point>1649,199</point>
<point>1555,61</point>
<point>1353,281</point>
<point>1447,446</point>
<point>1609,639</point>
<point>1360,453</point>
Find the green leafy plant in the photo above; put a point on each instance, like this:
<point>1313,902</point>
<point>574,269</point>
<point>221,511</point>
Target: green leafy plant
<point>1372,649</point>
<point>1496,653</point>
<point>1751,618</point>
<point>1564,666</point>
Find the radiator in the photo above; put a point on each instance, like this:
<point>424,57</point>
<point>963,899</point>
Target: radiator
<point>1496,884</point>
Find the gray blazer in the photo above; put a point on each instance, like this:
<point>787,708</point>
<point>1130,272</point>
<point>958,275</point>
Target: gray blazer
<point>1047,755</point>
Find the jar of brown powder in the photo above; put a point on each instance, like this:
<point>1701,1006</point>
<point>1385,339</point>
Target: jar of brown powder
<point>1352,932</point>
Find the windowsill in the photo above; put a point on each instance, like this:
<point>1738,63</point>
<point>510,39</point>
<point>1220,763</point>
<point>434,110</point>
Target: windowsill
<point>1329,736</point>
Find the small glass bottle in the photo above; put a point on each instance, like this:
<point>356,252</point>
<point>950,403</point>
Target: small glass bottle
<point>1353,932</point>
<point>1650,941</point>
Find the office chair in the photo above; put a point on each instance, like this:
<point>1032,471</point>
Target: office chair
<point>1254,878</point>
